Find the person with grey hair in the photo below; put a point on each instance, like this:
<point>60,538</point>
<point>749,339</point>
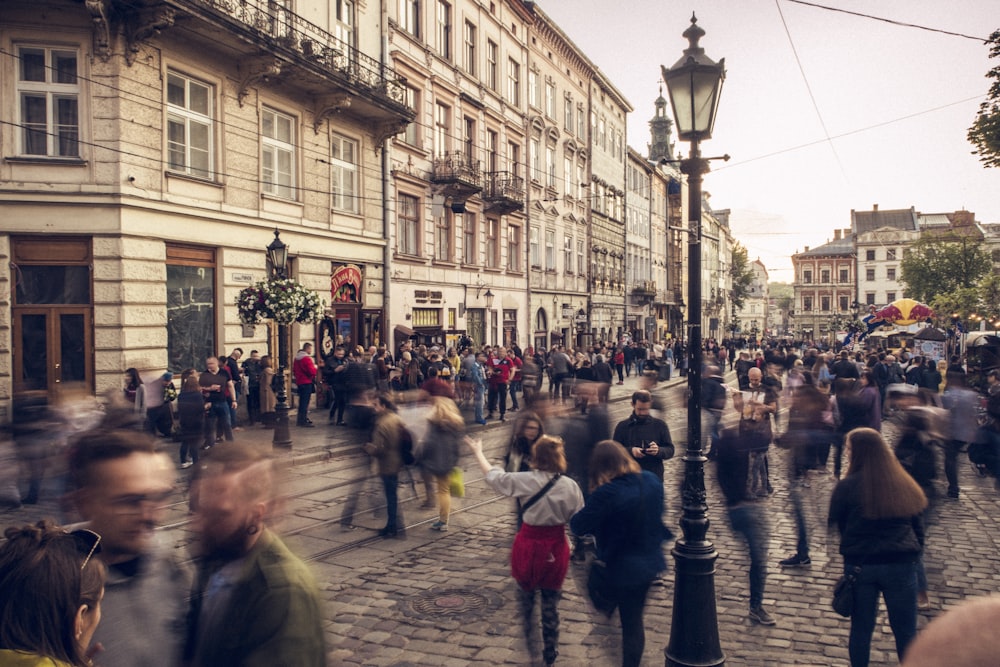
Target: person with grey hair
<point>964,636</point>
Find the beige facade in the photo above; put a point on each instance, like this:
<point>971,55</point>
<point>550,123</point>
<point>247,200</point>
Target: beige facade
<point>559,167</point>
<point>457,202</point>
<point>154,152</point>
<point>823,287</point>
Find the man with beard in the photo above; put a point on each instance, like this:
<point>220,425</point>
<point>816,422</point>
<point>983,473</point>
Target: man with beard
<point>645,437</point>
<point>254,602</point>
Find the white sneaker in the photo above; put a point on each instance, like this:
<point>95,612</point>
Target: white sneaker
<point>186,464</point>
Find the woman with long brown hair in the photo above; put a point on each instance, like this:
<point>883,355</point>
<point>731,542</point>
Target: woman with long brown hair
<point>624,514</point>
<point>877,510</point>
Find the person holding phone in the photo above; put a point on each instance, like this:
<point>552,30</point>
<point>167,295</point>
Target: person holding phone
<point>644,437</point>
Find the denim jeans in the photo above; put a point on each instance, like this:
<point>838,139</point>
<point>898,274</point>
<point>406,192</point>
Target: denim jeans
<point>897,582</point>
<point>217,414</point>
<point>391,485</point>
<point>751,521</point>
<point>477,400</point>
<point>305,396</point>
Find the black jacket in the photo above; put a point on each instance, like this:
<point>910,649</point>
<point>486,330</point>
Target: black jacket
<point>639,432</point>
<point>872,541</point>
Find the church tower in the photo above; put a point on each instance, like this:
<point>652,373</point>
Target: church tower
<point>660,127</point>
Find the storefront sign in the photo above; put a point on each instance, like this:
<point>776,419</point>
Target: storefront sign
<point>345,284</point>
<point>242,277</point>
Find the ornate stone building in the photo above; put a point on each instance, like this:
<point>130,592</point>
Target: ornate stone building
<point>150,150</point>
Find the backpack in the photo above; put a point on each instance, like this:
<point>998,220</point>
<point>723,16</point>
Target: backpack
<point>406,446</point>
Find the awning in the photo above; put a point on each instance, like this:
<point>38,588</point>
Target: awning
<point>405,330</point>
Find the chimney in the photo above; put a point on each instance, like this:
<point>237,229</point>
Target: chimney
<point>836,235</point>
<point>874,208</point>
<point>806,249</point>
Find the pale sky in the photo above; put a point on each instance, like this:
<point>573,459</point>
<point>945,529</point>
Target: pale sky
<point>896,103</point>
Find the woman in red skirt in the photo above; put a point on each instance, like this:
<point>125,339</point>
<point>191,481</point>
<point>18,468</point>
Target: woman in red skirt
<point>540,556</point>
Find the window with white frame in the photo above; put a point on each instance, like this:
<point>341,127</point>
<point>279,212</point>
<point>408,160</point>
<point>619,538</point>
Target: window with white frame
<point>514,158</point>
<point>443,235</point>
<point>492,243</point>
<point>469,140</point>
<point>890,254</point>
<point>533,248</point>
<point>513,247</point>
<point>550,99</point>
<point>890,274</point>
<point>278,153</point>
<point>442,129</point>
<point>843,303</point>
<point>534,148</point>
<point>408,232</point>
<point>568,254</point>
<point>568,113</point>
<point>581,122</point>
<point>869,275</point>
<point>344,182</point>
<point>492,64</point>
<point>409,16</point>
<point>411,134</point>
<point>581,179</point>
<point>890,297</point>
<point>534,88</point>
<point>513,82</point>
<point>550,250</point>
<point>48,93</point>
<point>470,247</point>
<point>550,166</point>
<point>443,23</point>
<point>469,37</point>
<point>568,171</point>
<point>189,125</point>
<point>581,267</point>
<point>492,151</point>
<point>343,27</point>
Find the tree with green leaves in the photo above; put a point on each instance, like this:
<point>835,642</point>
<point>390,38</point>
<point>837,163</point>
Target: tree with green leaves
<point>985,131</point>
<point>742,274</point>
<point>942,264</point>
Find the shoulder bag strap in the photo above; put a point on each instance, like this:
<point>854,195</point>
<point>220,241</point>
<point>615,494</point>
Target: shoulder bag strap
<point>538,496</point>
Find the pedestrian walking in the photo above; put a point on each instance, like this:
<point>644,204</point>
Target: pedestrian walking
<point>268,396</point>
<point>755,405</point>
<point>877,510</point>
<point>439,452</point>
<point>191,408</point>
<point>386,448</point>
<point>539,559</point>
<point>746,516</point>
<point>624,514</point>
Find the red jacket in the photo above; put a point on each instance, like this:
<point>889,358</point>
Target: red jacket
<point>303,369</point>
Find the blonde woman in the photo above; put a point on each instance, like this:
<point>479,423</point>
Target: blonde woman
<point>439,453</point>
<point>877,510</point>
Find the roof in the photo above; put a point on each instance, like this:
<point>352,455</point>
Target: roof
<point>842,246</point>
<point>866,221</point>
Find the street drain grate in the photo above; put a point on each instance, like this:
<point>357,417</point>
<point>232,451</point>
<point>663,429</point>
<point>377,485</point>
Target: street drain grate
<point>452,603</point>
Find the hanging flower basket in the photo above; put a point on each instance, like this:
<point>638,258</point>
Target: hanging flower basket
<point>284,301</point>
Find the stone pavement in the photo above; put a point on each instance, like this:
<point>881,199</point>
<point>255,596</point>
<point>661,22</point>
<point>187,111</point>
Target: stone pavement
<point>446,599</point>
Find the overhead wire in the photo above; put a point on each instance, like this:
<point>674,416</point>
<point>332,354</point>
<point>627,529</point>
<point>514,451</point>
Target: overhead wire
<point>890,21</point>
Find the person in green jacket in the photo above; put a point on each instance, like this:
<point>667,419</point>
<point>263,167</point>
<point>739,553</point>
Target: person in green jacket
<point>254,602</point>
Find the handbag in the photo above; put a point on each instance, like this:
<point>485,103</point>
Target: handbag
<point>843,592</point>
<point>600,589</point>
<point>456,485</point>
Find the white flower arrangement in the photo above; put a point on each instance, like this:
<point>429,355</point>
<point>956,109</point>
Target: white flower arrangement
<point>282,300</point>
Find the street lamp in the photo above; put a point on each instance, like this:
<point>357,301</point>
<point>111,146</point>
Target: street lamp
<point>277,253</point>
<point>694,84</point>
<point>489,299</point>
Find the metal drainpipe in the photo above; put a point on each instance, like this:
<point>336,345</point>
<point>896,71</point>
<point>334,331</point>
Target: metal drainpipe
<point>386,220</point>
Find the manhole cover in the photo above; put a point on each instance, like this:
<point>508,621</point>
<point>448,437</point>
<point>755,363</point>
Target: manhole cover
<point>452,603</point>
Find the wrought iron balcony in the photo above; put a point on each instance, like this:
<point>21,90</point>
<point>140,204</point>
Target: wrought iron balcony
<point>457,176</point>
<point>644,288</point>
<point>503,192</point>
<point>272,42</point>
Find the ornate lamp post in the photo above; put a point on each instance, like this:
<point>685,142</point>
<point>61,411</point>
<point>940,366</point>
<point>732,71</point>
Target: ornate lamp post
<point>694,84</point>
<point>277,253</point>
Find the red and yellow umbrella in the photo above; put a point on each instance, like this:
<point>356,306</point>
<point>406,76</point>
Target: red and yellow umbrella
<point>904,311</point>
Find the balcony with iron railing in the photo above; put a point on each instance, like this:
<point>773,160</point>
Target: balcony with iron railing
<point>272,42</point>
<point>456,176</point>
<point>503,192</point>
